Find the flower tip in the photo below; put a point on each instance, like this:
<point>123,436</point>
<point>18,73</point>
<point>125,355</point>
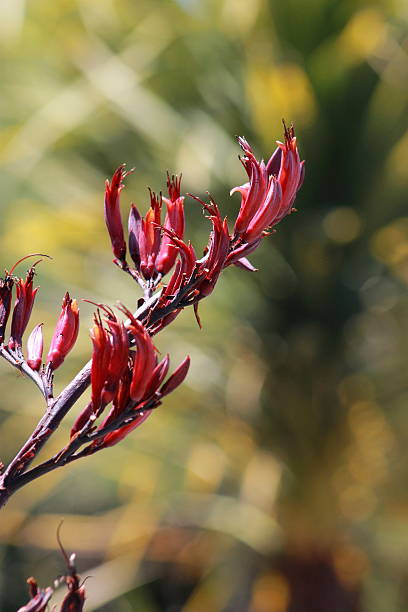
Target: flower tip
<point>244,144</point>
<point>74,306</point>
<point>176,378</point>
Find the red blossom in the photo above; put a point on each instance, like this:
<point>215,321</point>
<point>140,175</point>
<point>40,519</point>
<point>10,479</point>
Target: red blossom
<point>144,361</point>
<point>23,306</point>
<point>176,378</point>
<point>113,218</point>
<point>139,390</point>
<point>6,288</point>
<point>152,396</point>
<point>173,221</point>
<point>149,237</point>
<point>109,358</point>
<point>268,196</point>
<point>150,247</point>
<point>181,276</point>
<point>211,265</point>
<point>65,334</point>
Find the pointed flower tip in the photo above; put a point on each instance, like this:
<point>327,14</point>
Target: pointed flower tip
<point>113,217</point>
<point>118,176</point>
<point>244,144</point>
<point>173,186</point>
<point>65,333</point>
<point>176,378</point>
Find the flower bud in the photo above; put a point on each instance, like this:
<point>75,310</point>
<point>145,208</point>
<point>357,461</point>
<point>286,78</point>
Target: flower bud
<point>173,221</point>
<point>35,346</point>
<point>113,217</point>
<point>6,288</point>
<point>65,334</point>
<point>176,378</point>
<point>22,308</point>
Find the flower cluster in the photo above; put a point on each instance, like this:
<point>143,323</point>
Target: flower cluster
<point>265,200</point>
<point>127,379</point>
<point>151,250</point>
<point>65,333</point>
<point>132,380</point>
<point>267,197</point>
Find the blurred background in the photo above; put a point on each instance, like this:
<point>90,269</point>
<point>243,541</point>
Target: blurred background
<point>274,480</point>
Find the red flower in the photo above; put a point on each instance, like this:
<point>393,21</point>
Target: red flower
<point>151,399</point>
<point>144,361</point>
<point>22,308</point>
<point>113,217</point>
<point>151,249</point>
<point>6,288</point>
<point>181,277</point>
<point>65,334</point>
<point>268,196</point>
<point>139,387</point>
<point>176,378</point>
<point>173,221</point>
<point>109,359</point>
<point>216,252</point>
<point>145,237</point>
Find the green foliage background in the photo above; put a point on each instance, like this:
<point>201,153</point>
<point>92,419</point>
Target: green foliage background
<point>288,440</point>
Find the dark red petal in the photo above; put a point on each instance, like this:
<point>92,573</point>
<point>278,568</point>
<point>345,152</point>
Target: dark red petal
<point>6,288</point>
<point>159,374</point>
<point>273,165</point>
<point>134,228</point>
<point>176,378</point>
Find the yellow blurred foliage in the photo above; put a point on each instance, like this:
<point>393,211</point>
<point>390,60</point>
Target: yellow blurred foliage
<point>281,90</point>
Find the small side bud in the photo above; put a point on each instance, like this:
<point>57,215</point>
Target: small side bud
<point>35,345</point>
